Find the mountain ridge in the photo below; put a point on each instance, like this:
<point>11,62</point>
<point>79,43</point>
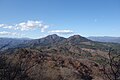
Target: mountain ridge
<point>105,39</point>
<point>55,41</point>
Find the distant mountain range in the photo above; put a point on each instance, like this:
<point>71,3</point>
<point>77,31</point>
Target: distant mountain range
<point>105,39</point>
<point>57,41</point>
<point>6,43</point>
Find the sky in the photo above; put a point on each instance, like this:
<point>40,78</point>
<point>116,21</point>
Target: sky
<point>38,18</point>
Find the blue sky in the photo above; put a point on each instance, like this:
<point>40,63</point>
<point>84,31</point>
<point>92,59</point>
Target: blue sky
<point>38,18</point>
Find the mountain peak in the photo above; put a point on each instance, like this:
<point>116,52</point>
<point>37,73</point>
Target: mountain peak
<point>75,37</point>
<point>78,38</point>
<point>47,41</point>
<point>53,36</point>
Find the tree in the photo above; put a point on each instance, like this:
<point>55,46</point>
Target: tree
<point>112,67</point>
<point>13,71</point>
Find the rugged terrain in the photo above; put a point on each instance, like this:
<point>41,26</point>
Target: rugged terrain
<point>58,58</point>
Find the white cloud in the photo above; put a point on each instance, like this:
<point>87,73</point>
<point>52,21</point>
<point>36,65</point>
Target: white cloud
<point>6,33</point>
<point>61,31</point>
<point>9,33</point>
<point>8,27</point>
<point>2,25</point>
<point>43,27</point>
<point>29,25</point>
<point>5,26</point>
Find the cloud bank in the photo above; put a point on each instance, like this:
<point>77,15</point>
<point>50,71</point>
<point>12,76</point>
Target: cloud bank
<point>8,33</point>
<point>25,26</point>
<point>63,32</point>
<point>5,26</point>
<point>31,25</point>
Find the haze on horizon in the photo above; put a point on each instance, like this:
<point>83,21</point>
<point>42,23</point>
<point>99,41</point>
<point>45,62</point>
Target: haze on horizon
<point>35,19</point>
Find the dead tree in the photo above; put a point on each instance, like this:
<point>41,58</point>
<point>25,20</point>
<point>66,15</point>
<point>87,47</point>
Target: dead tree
<point>112,67</point>
<point>14,71</point>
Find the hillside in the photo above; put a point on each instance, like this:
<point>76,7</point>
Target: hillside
<point>58,58</point>
<point>6,43</point>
